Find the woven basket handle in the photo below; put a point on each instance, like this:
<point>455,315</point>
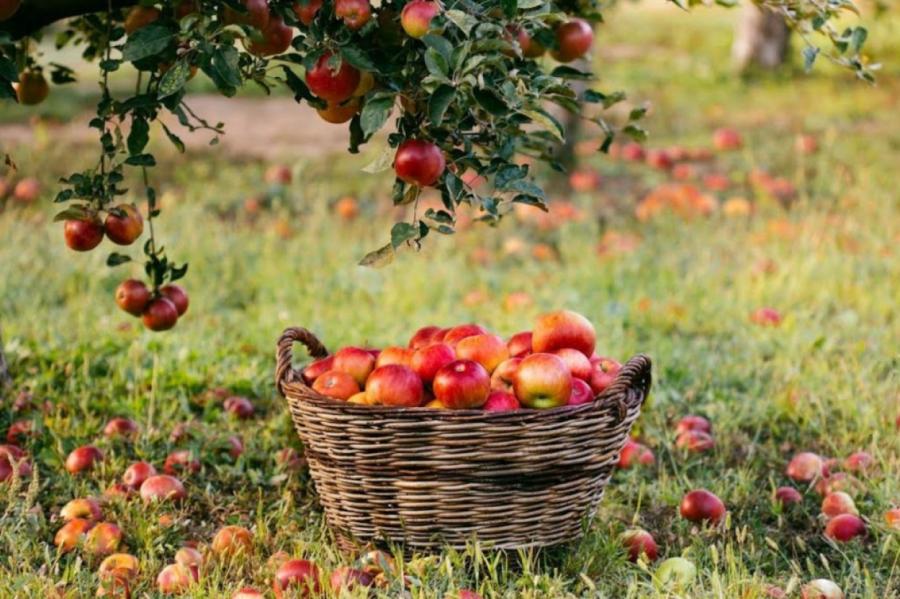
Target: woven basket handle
<point>631,387</point>
<point>284,370</point>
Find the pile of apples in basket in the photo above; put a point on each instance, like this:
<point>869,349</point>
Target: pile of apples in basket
<point>467,367</point>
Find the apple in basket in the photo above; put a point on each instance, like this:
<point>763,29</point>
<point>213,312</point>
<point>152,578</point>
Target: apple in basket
<point>395,385</point>
<point>462,384</point>
<point>563,329</point>
<point>543,381</point>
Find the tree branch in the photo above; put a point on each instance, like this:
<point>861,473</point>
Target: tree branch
<point>34,15</point>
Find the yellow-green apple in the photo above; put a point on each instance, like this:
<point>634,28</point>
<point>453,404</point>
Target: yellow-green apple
<point>456,334</point>
<point>426,336</point>
<point>427,360</point>
<point>787,495</point>
<point>634,453</point>
<point>488,350</point>
<point>726,138</point>
<point>72,534</point>
<point>416,16</point>
<point>175,579</point>
<point>695,441</point>
<point>355,361</point>
<point>395,385</point>
<point>462,384</point>
<point>103,539</point>
<point>640,542</point>
<point>297,578</point>
<point>85,508</point>
<point>162,487</point>
<point>581,393</point>
<point>181,461</point>
<point>561,329</point>
<point>83,459</point>
<point>543,381</point>
<point>578,363</point>
<point>346,578</point>
<point>137,473</point>
<point>693,423</point>
<point>419,162</point>
<point>838,503</point>
<point>573,40</point>
<point>504,376</point>
<point>120,427</point>
<point>700,505</point>
<point>317,369</point>
<point>501,401</point>
<point>805,467</point>
<point>230,541</point>
<point>394,355</point>
<point>519,345</point>
<point>676,572</point>
<point>821,588</point>
<point>337,384</point>
<point>845,527</point>
<point>239,407</point>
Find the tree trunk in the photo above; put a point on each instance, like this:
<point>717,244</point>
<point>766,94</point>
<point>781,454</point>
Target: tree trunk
<point>572,122</point>
<point>761,39</point>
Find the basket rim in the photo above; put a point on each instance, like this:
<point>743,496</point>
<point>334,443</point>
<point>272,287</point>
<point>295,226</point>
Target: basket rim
<point>291,386</point>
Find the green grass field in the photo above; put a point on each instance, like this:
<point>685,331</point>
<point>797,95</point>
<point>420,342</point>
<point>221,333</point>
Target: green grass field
<point>825,380</point>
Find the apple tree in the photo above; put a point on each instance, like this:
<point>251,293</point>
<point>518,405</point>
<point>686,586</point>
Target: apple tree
<point>464,88</point>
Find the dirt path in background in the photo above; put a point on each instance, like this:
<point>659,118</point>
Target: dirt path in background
<point>264,128</point>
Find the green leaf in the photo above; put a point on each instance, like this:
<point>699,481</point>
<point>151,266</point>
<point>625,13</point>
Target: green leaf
<point>439,44</point>
<point>382,162</point>
<point>358,58</point>
<point>174,79</point>
<point>857,39</point>
<point>176,141</point>
<point>403,232</point>
<point>77,212</point>
<point>224,69</point>
<point>378,258</point>
<point>547,122</point>
<point>141,160</point>
<point>463,20</point>
<point>440,100</point>
<point>509,7</point>
<point>437,64</point>
<point>138,136</point>
<point>147,41</point>
<point>490,101</point>
<point>810,53</point>
<point>375,112</point>
<point>115,259</point>
<point>8,71</point>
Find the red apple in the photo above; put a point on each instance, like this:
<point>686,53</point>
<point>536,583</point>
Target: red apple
<point>638,542</point>
<point>137,473</point>
<point>787,495</point>
<point>275,38</point>
<point>726,138</point>
<point>859,461</point>
<point>563,329</point>
<point>695,441</point>
<point>573,40</point>
<point>119,565</point>
<point>103,539</point>
<point>601,379</point>
<point>189,556</point>
<point>578,364</point>
<point>426,336</point>
<point>838,503</point>
<point>162,488</point>
<point>175,579</point>
<point>488,350</point>
<point>317,369</point>
<point>500,401</point>
<point>395,385</point>
<point>332,78</point>
<point>354,13</point>
<point>700,505</point>
<point>821,588</point>
<point>19,431</point>
<point>132,296</point>
<point>394,355</point>
<point>161,314</point>
<point>306,10</point>
<point>693,423</point>
<point>805,467</point>
<point>336,384</point>
<point>346,578</point>
<point>416,16</point>
<point>581,393</point>
<point>467,594</point>
<point>633,152</point>
<point>297,578</point>
<point>845,527</point>
<point>504,376</point>
<point>124,224</point>
<point>182,461</point>
<point>86,509</point>
<point>419,162</point>
<point>177,295</point>
<point>634,453</point>
<point>28,190</point>
<point>355,361</point>
<point>839,481</point>
<point>83,235</point>
<point>72,534</point>
<point>462,384</point>
<point>519,345</point>
<point>239,407</point>
<point>456,334</point>
<point>543,381</point>
<point>230,541</point>
<point>120,427</point>
<point>659,159</point>
<point>83,459</point>
<point>766,317</point>
<point>247,593</point>
<point>427,360</point>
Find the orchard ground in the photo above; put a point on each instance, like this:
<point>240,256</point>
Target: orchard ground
<point>825,379</point>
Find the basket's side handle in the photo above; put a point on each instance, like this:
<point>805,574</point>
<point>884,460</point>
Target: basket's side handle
<point>631,386</point>
<point>284,370</point>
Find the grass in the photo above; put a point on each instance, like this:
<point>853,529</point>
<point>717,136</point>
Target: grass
<point>825,380</point>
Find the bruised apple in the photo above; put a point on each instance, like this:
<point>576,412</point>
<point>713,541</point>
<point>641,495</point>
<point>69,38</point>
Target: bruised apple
<point>103,539</point>
<point>84,508</point>
<point>72,534</point>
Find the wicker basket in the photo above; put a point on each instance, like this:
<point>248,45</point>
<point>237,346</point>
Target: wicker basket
<point>427,478</point>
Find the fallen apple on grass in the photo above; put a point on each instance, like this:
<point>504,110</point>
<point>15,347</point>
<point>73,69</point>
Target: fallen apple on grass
<point>701,505</point>
<point>787,495</point>
<point>175,579</point>
<point>640,542</point>
<point>297,578</point>
<point>85,508</point>
<point>231,541</point>
<point>821,588</point>
<point>83,459</point>
<point>635,454</point>
<point>162,487</point>
<point>838,503</point>
<point>805,467</point>
<point>845,527</point>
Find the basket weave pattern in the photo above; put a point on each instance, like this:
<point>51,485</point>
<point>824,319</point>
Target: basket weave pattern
<point>426,478</point>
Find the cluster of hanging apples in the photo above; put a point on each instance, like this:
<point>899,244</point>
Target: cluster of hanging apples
<point>466,367</point>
